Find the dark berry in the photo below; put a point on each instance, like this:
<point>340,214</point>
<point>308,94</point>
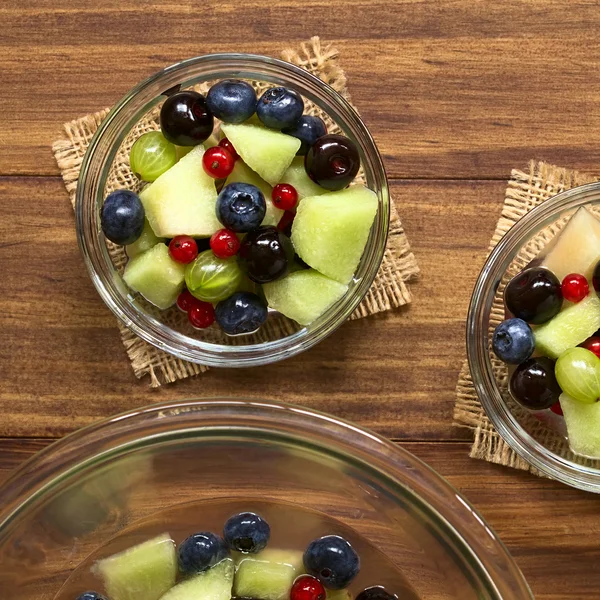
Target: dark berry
<point>203,244</point>
<point>332,560</point>
<point>231,100</point>
<point>284,196</point>
<point>183,249</point>
<point>201,314</point>
<point>592,344</point>
<point>308,130</point>
<point>376,592</point>
<point>122,217</point>
<point>185,119</point>
<point>217,162</point>
<point>332,162</point>
<point>534,385</point>
<point>246,532</point>
<point>265,254</point>
<point>91,596</point>
<point>241,207</point>
<point>243,312</point>
<point>280,108</point>
<point>513,341</point>
<point>201,551</point>
<point>596,278</point>
<point>307,587</point>
<point>534,295</point>
<point>574,287</point>
<point>224,243</point>
<point>225,143</point>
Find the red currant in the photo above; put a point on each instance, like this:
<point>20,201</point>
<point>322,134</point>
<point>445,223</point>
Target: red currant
<point>575,287</point>
<point>183,249</point>
<point>556,409</point>
<point>307,587</point>
<point>285,223</point>
<point>225,143</point>
<point>593,345</point>
<point>202,315</point>
<point>285,196</point>
<point>224,243</point>
<point>185,301</point>
<point>217,162</point>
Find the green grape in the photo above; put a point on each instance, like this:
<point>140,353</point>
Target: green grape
<point>212,279</point>
<point>578,374</point>
<point>151,155</point>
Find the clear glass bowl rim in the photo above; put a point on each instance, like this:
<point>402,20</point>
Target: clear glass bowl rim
<point>164,338</point>
<point>258,418</point>
<point>537,455</point>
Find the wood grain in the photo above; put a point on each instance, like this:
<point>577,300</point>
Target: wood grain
<point>550,529</point>
<point>62,364</point>
<point>450,89</point>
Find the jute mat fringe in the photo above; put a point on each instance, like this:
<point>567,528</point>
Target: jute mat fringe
<point>526,190</point>
<point>389,290</point>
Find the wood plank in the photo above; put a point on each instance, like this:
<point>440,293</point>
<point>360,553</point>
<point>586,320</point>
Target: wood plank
<point>62,364</point>
<point>550,529</point>
<point>453,88</point>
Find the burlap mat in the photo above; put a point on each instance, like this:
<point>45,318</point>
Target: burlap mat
<point>525,191</point>
<point>389,290</point>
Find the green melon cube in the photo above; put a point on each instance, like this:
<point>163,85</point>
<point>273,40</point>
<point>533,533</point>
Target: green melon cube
<point>156,276</point>
<point>296,176</point>
<point>214,584</point>
<point>268,575</point>
<point>242,173</point>
<point>267,152</point>
<point>569,327</point>
<point>330,231</point>
<point>146,571</point>
<point>182,200</point>
<point>303,295</point>
<point>147,240</point>
<point>583,426</point>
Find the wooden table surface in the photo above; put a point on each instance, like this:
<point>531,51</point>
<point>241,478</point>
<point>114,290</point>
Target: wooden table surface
<point>456,93</point>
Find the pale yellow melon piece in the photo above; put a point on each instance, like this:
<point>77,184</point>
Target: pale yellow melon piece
<point>583,426</point>
<point>296,176</point>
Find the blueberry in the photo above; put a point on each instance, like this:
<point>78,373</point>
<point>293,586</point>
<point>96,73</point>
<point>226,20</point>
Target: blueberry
<point>308,130</point>
<point>332,560</point>
<point>122,217</point>
<point>201,551</point>
<point>280,108</point>
<point>376,592</point>
<point>241,207</point>
<point>231,100</point>
<point>513,341</point>
<point>243,312</point>
<point>246,532</point>
<point>91,596</point>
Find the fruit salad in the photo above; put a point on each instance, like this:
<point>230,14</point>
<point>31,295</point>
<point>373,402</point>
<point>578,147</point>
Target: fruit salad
<point>248,205</point>
<point>237,564</point>
<point>551,336</point>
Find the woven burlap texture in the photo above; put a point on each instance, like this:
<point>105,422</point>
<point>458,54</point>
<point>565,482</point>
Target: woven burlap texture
<point>525,191</point>
<point>389,290</point>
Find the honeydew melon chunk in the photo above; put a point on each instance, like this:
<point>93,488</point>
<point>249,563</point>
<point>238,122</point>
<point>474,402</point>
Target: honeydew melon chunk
<point>583,426</point>
<point>182,200</point>
<point>303,295</point>
<point>147,240</point>
<point>146,571</point>
<point>267,152</point>
<point>268,575</point>
<point>569,327</point>
<point>214,584</point>
<point>577,246</point>
<point>304,185</point>
<point>242,173</point>
<point>330,231</point>
<point>156,276</point>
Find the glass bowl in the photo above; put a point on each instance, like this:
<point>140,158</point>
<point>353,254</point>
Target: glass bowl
<point>106,167</point>
<point>82,491</point>
<point>539,438</point>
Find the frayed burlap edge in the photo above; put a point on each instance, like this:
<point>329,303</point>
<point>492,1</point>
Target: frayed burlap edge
<point>389,290</point>
<point>525,191</point>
